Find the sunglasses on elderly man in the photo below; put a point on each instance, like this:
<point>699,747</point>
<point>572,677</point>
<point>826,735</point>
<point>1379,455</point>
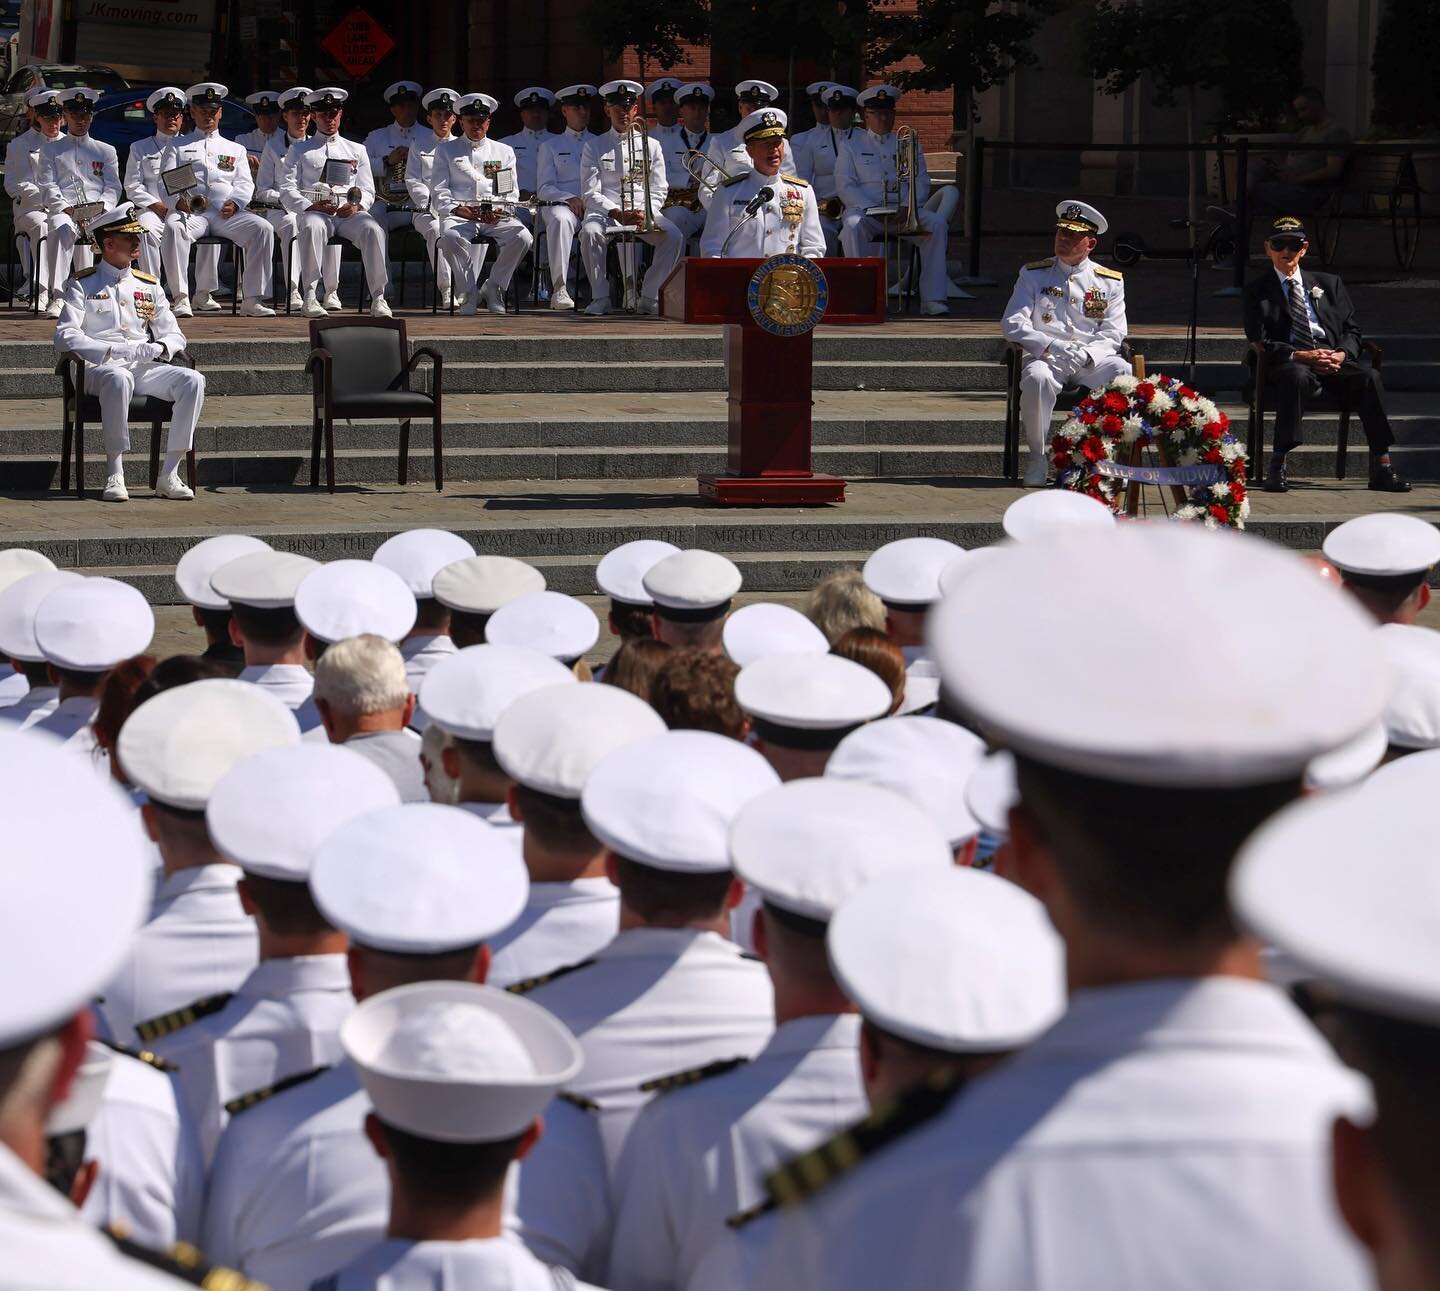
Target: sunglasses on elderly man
<point>1287,244</point>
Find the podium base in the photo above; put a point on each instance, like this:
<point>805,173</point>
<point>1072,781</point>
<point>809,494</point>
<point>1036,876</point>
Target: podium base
<point>772,490</point>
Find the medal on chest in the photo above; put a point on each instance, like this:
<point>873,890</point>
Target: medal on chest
<point>1054,292</point>
<point>490,169</point>
<point>97,169</point>
<point>1094,305</point>
<point>225,162</point>
<point>145,305</point>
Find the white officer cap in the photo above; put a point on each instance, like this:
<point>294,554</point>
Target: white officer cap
<point>398,90</point>
<point>816,89</point>
<point>466,692</point>
<point>263,580</point>
<point>550,622</point>
<point>78,884</point>
<point>1050,513</point>
<point>577,93</point>
<point>906,573</point>
<point>79,96</point>
<point>477,105</point>
<point>837,96</point>
<point>445,98</point>
<point>194,568</point>
<point>170,96</point>
<point>692,585</point>
<point>463,880</point>
<point>207,92</point>
<point>695,90</point>
<point>809,844</point>
<point>991,791</point>
<point>950,958</point>
<point>966,563</point>
<point>349,597</point>
<point>177,745</point>
<point>669,801</point>
<point>1412,713</point>
<point>768,123</point>
<point>1080,217</point>
<point>119,219</point>
<point>20,562</point>
<point>663,85</point>
<point>924,759</point>
<point>809,701</point>
<point>1382,546</point>
<point>43,98</point>
<point>996,657</point>
<point>621,91</point>
<point>752,91</point>
<point>288,97</point>
<point>83,1101</point>
<point>534,96</point>
<point>1350,763</point>
<point>621,572</point>
<point>19,604</point>
<point>327,96</point>
<point>261,101</point>
<point>878,96</point>
<point>551,739</point>
<point>93,624</point>
<point>270,813</point>
<point>456,1062</point>
<point>417,555</point>
<point>765,628</point>
<point>482,584</point>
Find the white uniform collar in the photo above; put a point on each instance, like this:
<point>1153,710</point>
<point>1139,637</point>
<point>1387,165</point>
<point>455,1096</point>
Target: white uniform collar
<point>277,978</point>
<point>575,134</point>
<point>215,877</point>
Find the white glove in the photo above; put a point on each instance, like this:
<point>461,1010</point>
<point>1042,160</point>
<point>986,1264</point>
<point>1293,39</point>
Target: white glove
<point>137,351</point>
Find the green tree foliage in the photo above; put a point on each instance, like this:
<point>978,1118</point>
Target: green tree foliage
<point>655,29</point>
<point>1407,52</point>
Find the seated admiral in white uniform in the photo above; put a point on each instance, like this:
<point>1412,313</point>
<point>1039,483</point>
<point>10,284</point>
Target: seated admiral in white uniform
<point>265,104</point>
<point>295,118</point>
<point>764,212</point>
<point>439,105</point>
<point>691,134</point>
<point>533,103</point>
<point>326,183</point>
<point>613,173</point>
<point>562,205</point>
<point>389,150</point>
<point>1068,314</point>
<point>726,150</point>
<point>215,207</point>
<point>27,203</point>
<point>110,314</point>
<point>475,189</point>
<point>142,176</point>
<point>76,171</point>
<point>867,178</point>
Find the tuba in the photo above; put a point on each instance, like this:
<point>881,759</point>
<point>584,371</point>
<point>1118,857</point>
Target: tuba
<point>636,179</point>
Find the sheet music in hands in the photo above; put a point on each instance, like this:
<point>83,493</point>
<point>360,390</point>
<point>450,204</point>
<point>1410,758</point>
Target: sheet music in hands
<point>179,179</point>
<point>504,183</point>
<point>339,173</point>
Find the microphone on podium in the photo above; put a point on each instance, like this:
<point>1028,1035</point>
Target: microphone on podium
<point>759,200</point>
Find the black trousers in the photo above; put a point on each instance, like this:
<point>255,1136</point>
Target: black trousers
<point>1291,388</point>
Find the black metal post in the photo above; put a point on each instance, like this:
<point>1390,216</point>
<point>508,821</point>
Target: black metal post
<point>974,183</point>
<point>1242,210</point>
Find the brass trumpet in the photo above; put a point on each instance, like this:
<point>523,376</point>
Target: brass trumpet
<point>831,207</point>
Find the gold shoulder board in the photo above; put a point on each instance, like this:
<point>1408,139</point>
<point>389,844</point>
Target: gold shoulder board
<point>533,983</point>
<point>579,1100</point>
<point>169,1023</point>
<point>795,179</point>
<point>1041,264</point>
<point>246,1101</point>
<point>663,1084</point>
<point>84,273</point>
<point>185,1264</point>
<point>141,1055</point>
<point>1108,273</point>
<point>143,276</point>
<point>735,179</point>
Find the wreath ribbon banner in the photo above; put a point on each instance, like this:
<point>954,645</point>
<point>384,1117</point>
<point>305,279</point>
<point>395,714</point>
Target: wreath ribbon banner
<point>1188,475</point>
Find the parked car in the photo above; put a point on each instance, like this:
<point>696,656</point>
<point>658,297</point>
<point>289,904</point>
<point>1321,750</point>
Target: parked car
<point>55,76</point>
<point>121,119</point>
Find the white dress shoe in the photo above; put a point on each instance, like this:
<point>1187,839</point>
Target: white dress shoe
<point>254,307</point>
<point>313,308</point>
<point>171,486</point>
<point>648,306</point>
<point>332,301</point>
<point>297,301</point>
<point>493,298</point>
<point>380,308</point>
<point>934,308</point>
<point>561,300</point>
<point>52,310</point>
<point>597,307</point>
<point>205,303</point>
<point>1037,472</point>
<point>180,307</point>
<point>470,304</point>
<point>115,490</point>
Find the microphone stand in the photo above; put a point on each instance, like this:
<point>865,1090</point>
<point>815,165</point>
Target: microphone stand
<point>749,215</point>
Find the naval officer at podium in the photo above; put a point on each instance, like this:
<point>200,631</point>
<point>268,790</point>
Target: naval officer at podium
<point>762,212</point>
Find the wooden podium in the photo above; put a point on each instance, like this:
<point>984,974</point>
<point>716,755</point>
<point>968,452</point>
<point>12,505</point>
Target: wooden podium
<point>769,375</point>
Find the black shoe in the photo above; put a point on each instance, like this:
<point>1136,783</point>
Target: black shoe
<point>1384,480</point>
<point>1275,478</point>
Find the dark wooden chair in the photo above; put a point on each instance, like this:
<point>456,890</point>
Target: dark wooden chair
<point>361,367</point>
<point>1013,360</point>
<point>80,407</point>
<point>1335,399</point>
<point>1374,186</point>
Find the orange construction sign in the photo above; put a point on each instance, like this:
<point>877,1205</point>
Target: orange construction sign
<point>358,42</point>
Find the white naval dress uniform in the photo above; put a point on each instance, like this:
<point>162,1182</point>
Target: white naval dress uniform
<point>144,189</point>
<point>609,170</point>
<point>302,176</point>
<point>286,223</point>
<point>27,204</point>
<point>379,144</point>
<point>480,1264</point>
<point>700,1154</point>
<point>423,652</point>
<point>296,1189</point>
<point>558,177</point>
<point>151,1179</point>
<point>47,1243</point>
<point>197,942</point>
<point>727,150</point>
<point>465,174</point>
<point>74,169</point>
<point>1162,1134</point>
<point>13,689</point>
<point>526,145</point>
<point>677,141</point>
<point>256,141</point>
<point>788,221</point>
<point>37,702</point>
<point>283,1021</point>
<point>1055,306</point>
<point>104,309</point>
<point>561,924</point>
<point>67,721</point>
<point>864,170</point>
<point>419,180</point>
<point>816,158</point>
<point>223,171</point>
<point>656,1001</point>
<point>291,684</point>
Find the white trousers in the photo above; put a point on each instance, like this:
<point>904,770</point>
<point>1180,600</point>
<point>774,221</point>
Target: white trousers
<point>113,384</point>
<point>690,223</point>
<point>36,225</point>
<point>668,241</point>
<point>65,248</point>
<point>1041,382</point>
<point>860,235</point>
<point>285,224</point>
<point>831,230</point>
<point>560,224</point>
<point>512,241</point>
<point>432,228</point>
<point>245,229</point>
<point>316,229</point>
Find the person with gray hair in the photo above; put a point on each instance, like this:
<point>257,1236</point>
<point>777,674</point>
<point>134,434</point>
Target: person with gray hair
<point>364,702</point>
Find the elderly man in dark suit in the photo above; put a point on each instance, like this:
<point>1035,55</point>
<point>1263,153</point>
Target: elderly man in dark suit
<point>1312,339</point>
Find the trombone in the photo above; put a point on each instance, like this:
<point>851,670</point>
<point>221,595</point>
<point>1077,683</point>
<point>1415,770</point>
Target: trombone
<point>696,162</point>
<point>907,170</point>
<point>634,184</point>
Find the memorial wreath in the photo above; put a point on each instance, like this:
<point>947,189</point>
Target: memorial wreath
<point>1093,451</point>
